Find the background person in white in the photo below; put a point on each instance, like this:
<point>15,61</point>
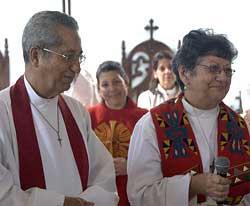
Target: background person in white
<point>163,85</point>
<point>203,68</point>
<point>52,54</point>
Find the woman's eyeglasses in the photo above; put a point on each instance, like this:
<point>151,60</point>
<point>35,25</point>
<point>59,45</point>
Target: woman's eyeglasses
<point>216,69</point>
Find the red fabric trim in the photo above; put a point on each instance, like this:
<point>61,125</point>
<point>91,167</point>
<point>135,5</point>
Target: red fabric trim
<point>76,142</point>
<point>121,183</point>
<point>169,165</point>
<point>168,171</point>
<point>30,163</point>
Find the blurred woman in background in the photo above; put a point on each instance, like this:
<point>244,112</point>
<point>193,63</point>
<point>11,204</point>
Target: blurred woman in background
<point>113,120</point>
<point>163,85</point>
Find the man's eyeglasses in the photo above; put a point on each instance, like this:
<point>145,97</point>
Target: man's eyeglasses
<point>216,69</point>
<point>69,58</point>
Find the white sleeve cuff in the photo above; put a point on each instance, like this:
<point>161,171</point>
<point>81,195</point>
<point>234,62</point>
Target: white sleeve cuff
<point>100,196</point>
<point>246,199</point>
<point>40,197</point>
<point>178,190</point>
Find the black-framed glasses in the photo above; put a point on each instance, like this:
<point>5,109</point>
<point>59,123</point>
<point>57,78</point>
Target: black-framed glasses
<point>69,58</point>
<point>215,69</point>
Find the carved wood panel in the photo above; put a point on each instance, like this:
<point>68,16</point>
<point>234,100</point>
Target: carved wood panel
<point>137,63</point>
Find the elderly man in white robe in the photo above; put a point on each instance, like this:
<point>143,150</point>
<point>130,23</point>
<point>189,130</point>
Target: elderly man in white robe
<point>49,155</point>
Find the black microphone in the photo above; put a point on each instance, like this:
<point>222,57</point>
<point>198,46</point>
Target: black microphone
<point>222,165</point>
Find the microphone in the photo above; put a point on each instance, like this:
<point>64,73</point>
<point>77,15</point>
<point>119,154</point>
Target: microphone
<point>222,165</point>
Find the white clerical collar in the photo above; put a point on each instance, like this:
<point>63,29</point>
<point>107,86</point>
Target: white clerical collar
<point>199,112</point>
<point>168,92</point>
<point>36,99</point>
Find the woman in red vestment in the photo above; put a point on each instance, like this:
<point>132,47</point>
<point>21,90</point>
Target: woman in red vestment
<point>113,120</point>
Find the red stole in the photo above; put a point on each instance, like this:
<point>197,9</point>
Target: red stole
<point>177,144</point>
<point>30,163</point>
<point>114,129</point>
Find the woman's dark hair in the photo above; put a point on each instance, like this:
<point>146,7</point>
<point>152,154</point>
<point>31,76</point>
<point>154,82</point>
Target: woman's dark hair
<point>198,43</point>
<point>111,66</point>
<point>166,54</point>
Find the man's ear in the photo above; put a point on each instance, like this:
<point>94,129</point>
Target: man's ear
<point>34,54</point>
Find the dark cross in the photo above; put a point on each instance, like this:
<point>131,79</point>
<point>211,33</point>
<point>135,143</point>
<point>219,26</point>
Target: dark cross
<point>151,28</point>
<point>60,140</point>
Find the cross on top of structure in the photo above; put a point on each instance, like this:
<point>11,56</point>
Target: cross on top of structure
<point>151,28</point>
